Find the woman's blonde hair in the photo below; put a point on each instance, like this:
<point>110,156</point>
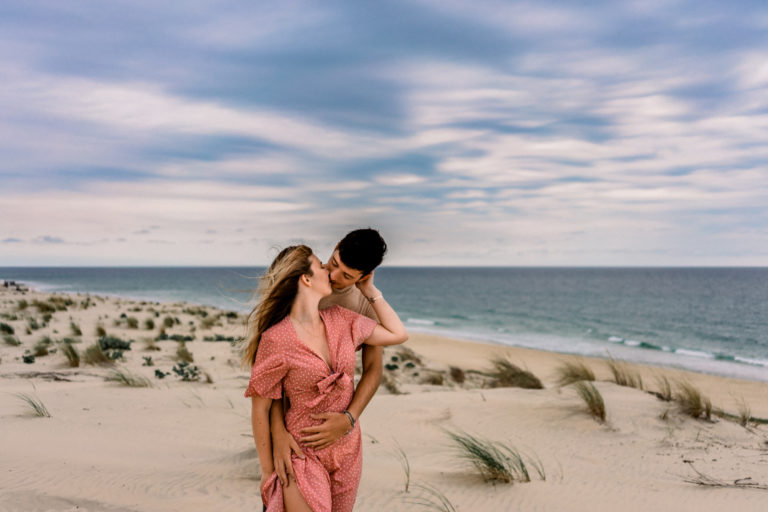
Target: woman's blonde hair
<point>278,288</point>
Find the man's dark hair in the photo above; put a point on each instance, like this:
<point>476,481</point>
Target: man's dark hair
<point>362,249</point>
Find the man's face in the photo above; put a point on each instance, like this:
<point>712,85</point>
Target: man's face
<point>341,275</point>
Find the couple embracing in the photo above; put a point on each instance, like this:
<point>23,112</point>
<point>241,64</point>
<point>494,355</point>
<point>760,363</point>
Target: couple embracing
<point>310,320</point>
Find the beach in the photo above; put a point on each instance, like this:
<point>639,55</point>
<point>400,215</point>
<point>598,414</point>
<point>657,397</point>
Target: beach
<point>187,445</point>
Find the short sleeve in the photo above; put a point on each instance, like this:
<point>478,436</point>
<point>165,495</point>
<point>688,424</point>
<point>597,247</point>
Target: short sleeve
<point>361,327</point>
<point>268,370</point>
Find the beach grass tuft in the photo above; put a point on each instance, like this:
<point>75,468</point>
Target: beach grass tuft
<point>665,389</point>
<point>183,354</point>
<point>100,330</point>
<point>37,405</point>
<point>96,356</point>
<point>76,331</point>
<point>623,375</point>
<point>129,379</point>
<point>457,374</point>
<point>41,347</point>
<point>494,460</point>
<point>592,398</point>
<point>573,371</point>
<point>692,402</point>
<point>11,340</point>
<point>745,412</point>
<point>505,374</point>
<point>70,352</point>
<point>6,328</point>
<point>405,464</point>
<point>431,498</point>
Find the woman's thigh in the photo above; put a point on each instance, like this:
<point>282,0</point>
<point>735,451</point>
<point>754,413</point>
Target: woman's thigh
<point>293,500</point>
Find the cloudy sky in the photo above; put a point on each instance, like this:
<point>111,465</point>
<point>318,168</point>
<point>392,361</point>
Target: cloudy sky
<point>470,132</point>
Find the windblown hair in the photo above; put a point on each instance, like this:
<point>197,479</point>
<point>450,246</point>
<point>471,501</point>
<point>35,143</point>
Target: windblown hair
<point>362,249</point>
<point>278,288</point>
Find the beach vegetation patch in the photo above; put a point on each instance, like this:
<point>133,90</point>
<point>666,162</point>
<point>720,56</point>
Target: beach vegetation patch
<point>573,371</point>
<point>95,355</point>
<point>160,374</point>
<point>168,321</point>
<point>32,324</point>
<point>22,304</point>
<point>70,352</point>
<point>132,322</point>
<point>592,398</point>
<point>406,354</point>
<point>390,384</point>
<point>6,329</point>
<point>126,378</point>
<point>41,347</point>
<point>221,337</point>
<point>38,407</point>
<point>494,460</point>
<point>149,344</point>
<point>692,402</point>
<point>745,412</point>
<point>186,371</point>
<point>11,340</point>
<point>195,311</point>
<point>457,374</point>
<point>75,329</point>
<point>147,361</point>
<point>505,374</point>
<point>28,357</point>
<point>149,324</point>
<point>183,354</point>
<point>433,379</point>
<point>623,375</point>
<point>100,331</point>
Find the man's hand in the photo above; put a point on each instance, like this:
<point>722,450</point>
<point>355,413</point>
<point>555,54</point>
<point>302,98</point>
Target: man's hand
<point>365,285</point>
<point>283,444</point>
<point>335,425</point>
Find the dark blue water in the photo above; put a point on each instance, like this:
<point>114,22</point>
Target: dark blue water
<point>707,319</point>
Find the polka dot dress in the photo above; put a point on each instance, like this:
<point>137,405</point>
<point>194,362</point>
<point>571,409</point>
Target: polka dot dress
<point>327,478</point>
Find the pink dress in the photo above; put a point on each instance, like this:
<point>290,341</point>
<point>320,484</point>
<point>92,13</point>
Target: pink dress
<point>327,478</point>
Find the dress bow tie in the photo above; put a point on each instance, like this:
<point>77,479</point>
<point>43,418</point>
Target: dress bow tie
<point>328,384</point>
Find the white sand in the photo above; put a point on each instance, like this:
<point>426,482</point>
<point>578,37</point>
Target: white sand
<point>187,445</point>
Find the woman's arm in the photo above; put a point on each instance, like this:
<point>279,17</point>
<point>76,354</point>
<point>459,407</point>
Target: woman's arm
<point>261,436</point>
<point>390,330</point>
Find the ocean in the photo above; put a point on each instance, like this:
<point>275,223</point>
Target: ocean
<point>713,320</point>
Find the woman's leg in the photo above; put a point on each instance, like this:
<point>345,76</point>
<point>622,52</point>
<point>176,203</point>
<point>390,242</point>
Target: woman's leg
<point>292,498</point>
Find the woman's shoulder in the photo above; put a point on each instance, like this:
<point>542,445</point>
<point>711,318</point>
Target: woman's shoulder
<point>277,331</point>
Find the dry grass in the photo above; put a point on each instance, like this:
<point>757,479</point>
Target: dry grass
<point>96,356</point>
<point>665,388</point>
<point>692,402</point>
<point>623,375</point>
<point>405,464</point>
<point>37,405</point>
<point>129,379</point>
<point>592,398</point>
<point>183,354</point>
<point>431,498</point>
<point>507,375</point>
<point>495,461</point>
<point>71,353</point>
<point>573,371</point>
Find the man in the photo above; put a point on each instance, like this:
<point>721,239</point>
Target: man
<point>351,269</point>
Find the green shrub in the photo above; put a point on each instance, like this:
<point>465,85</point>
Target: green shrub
<point>75,329</point>
<point>132,322</point>
<point>149,324</point>
<point>6,329</point>
<point>168,321</point>
<point>11,340</point>
<point>187,372</point>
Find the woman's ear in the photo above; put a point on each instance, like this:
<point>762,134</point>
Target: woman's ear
<point>306,279</point>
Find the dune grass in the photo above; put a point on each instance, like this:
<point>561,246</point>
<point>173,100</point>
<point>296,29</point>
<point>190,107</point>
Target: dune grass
<point>592,398</point>
<point>505,374</point>
<point>11,340</point>
<point>573,371</point>
<point>100,330</point>
<point>494,460</point>
<point>665,389</point>
<point>745,412</point>
<point>404,463</point>
<point>41,348</point>
<point>431,498</point>
<point>76,331</point>
<point>183,354</point>
<point>692,402</point>
<point>96,356</point>
<point>37,405</point>
<point>70,352</point>
<point>6,328</point>
<point>623,375</point>
<point>129,379</point>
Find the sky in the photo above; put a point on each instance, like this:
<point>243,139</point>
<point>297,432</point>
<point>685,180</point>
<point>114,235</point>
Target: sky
<point>538,133</point>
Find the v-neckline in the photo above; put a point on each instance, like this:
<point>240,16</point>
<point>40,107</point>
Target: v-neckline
<point>327,341</point>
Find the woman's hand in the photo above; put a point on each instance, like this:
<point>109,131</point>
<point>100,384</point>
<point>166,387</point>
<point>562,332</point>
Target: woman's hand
<point>334,426</point>
<point>263,483</point>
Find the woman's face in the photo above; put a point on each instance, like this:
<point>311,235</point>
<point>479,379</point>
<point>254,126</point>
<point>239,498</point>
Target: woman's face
<point>320,276</point>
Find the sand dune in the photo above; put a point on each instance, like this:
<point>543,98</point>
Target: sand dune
<point>187,445</point>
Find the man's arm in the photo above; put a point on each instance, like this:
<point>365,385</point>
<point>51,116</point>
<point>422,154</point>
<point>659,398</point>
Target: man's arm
<point>337,424</point>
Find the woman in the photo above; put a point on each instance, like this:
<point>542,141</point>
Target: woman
<point>310,355</point>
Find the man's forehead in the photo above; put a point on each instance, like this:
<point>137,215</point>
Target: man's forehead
<point>347,268</point>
